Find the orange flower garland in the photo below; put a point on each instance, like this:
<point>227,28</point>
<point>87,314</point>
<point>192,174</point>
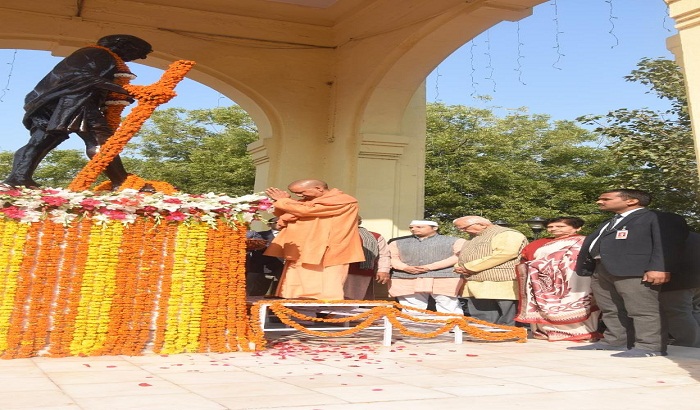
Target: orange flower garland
<point>94,289</point>
<point>68,293</point>
<point>367,318</point>
<point>42,288</point>
<point>149,98</point>
<point>135,182</point>
<point>116,102</point>
<point>17,331</point>
<point>119,338</point>
<point>165,286</point>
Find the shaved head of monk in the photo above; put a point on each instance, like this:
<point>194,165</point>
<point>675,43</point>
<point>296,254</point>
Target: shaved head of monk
<point>307,189</point>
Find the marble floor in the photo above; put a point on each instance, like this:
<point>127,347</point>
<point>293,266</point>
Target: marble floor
<point>299,372</point>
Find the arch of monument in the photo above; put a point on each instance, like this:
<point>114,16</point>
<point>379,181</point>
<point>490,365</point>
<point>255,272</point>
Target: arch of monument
<point>336,87</point>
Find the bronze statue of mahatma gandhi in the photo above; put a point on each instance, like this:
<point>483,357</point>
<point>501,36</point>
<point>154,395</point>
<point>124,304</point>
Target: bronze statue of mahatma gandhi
<point>71,99</point>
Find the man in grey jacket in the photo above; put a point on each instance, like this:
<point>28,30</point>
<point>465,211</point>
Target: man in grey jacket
<point>422,266</point>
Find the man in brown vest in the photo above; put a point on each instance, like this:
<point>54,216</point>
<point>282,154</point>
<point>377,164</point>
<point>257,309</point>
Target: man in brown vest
<point>487,262</point>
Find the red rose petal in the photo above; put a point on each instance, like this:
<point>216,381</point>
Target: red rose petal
<point>145,385</point>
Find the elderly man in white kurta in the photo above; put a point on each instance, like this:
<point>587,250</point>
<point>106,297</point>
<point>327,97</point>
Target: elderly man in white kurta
<point>487,262</point>
<point>422,266</point>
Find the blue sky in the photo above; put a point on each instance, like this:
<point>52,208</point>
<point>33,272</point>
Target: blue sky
<point>571,61</point>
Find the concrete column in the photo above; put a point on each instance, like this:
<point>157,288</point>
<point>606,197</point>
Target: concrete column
<point>685,46</point>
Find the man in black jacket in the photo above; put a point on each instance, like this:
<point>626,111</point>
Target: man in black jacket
<point>630,257</point>
<point>680,298</point>
<point>71,98</point>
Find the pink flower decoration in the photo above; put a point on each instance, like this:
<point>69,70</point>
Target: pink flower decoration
<point>149,209</point>
<point>13,212</point>
<point>176,216</point>
<point>12,192</point>
<point>89,204</point>
<point>172,201</point>
<point>115,214</point>
<point>54,200</point>
<point>264,204</point>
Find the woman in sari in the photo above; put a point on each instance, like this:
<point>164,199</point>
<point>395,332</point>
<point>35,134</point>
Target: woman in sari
<point>556,302</point>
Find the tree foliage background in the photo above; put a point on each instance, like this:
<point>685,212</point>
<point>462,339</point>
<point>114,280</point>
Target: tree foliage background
<point>511,168</point>
<point>197,151</point>
<point>654,150</point>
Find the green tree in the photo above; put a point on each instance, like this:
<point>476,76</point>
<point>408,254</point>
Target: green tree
<point>60,167</point>
<point>654,149</point>
<point>510,168</point>
<point>57,170</point>
<point>197,151</point>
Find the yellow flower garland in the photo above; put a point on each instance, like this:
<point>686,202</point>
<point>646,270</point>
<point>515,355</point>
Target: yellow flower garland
<point>187,290</point>
<point>97,289</point>
<point>11,244</point>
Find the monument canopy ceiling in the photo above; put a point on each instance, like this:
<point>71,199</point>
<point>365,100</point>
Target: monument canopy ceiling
<point>314,12</point>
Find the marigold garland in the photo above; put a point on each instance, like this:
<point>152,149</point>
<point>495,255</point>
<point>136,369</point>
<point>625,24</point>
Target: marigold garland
<point>120,335</point>
<point>43,284</point>
<point>17,333</point>
<point>97,291</point>
<point>149,98</point>
<point>186,291</point>
<point>12,244</point>
<point>165,286</point>
<point>69,285</point>
<point>391,310</point>
<point>137,183</point>
<point>111,288</point>
<point>116,102</point>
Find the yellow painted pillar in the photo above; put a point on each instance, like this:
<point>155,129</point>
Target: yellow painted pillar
<point>685,46</point>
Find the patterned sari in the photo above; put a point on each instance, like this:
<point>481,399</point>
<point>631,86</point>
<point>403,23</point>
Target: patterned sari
<point>558,303</point>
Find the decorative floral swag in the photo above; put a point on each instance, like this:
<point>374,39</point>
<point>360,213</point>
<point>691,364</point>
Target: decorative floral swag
<point>66,207</point>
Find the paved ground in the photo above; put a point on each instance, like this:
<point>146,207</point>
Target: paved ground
<point>359,373</point>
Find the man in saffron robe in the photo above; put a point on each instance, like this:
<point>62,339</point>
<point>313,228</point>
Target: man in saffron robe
<point>319,238</point>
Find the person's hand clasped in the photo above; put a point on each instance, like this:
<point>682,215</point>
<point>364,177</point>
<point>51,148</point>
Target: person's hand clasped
<point>276,193</point>
<point>463,271</point>
<point>383,277</point>
<point>415,270</point>
<point>654,277</point>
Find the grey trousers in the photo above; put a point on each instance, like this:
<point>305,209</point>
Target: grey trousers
<point>630,309</point>
<point>500,312</point>
<point>681,310</point>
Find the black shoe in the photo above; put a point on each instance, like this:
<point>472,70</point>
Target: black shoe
<point>639,353</point>
<point>598,346</point>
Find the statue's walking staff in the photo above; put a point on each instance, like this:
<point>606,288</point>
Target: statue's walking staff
<point>149,97</point>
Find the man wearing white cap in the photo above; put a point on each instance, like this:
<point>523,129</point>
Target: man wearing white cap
<point>422,266</point>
